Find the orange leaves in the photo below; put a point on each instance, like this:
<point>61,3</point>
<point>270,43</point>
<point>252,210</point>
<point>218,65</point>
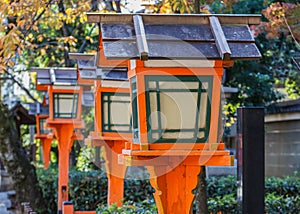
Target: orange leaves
<point>31,30</point>
<point>283,18</point>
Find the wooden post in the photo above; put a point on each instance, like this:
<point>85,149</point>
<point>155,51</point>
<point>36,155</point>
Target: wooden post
<point>46,147</point>
<point>115,172</point>
<point>174,187</point>
<point>67,207</point>
<point>64,133</point>
<point>251,160</point>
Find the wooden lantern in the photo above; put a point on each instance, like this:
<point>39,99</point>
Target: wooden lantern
<point>64,116</point>
<point>43,133</point>
<point>112,115</point>
<point>175,70</point>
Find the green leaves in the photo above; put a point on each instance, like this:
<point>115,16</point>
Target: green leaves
<point>88,191</point>
<point>144,207</point>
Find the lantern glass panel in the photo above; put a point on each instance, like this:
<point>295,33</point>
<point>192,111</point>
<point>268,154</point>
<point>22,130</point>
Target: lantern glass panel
<point>116,113</point>
<point>178,108</point>
<point>43,129</point>
<point>65,105</point>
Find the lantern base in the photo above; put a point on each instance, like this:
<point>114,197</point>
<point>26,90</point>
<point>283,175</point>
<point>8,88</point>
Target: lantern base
<point>174,187</point>
<point>111,147</point>
<point>160,157</point>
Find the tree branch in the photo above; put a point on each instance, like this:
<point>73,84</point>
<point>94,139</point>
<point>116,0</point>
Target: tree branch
<point>65,33</point>
<point>21,86</point>
<point>81,49</point>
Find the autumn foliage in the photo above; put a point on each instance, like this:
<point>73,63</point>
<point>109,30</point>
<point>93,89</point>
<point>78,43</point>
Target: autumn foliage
<point>33,28</point>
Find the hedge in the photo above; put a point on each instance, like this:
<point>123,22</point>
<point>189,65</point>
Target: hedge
<point>88,191</point>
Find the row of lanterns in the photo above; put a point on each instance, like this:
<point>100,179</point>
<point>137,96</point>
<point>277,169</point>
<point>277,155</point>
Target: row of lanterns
<point>149,110</point>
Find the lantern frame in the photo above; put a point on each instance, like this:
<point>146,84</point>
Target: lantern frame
<point>138,76</point>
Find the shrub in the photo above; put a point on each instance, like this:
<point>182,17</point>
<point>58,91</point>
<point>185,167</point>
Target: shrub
<point>144,207</point>
<point>221,186</point>
<point>88,190</point>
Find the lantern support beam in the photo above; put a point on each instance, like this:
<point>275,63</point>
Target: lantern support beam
<point>141,37</point>
<point>220,38</point>
<point>174,186</point>
<point>46,147</point>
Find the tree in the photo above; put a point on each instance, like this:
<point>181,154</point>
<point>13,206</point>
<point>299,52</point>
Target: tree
<point>36,33</point>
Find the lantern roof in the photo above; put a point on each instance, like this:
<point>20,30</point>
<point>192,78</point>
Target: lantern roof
<point>162,36</point>
<point>37,108</point>
<point>56,76</point>
<point>88,69</point>
<point>88,99</point>
<point>86,63</point>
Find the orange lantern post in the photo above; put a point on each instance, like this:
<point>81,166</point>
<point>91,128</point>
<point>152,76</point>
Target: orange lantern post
<point>175,71</point>
<point>44,137</point>
<point>43,134</point>
<point>112,115</point>
<point>64,116</point>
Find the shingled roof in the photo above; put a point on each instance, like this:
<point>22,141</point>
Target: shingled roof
<point>87,67</point>
<point>56,76</point>
<point>157,36</point>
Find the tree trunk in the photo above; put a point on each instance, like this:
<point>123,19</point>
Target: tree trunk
<point>201,195</point>
<point>17,165</point>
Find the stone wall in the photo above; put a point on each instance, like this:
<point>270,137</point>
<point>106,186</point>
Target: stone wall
<point>282,147</point>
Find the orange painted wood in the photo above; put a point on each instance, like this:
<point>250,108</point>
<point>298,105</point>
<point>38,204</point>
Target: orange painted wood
<point>176,71</point>
<point>215,110</point>
<point>173,187</point>
<point>63,132</point>
<point>52,90</point>
<point>111,147</point>
<point>186,146</point>
<point>115,172</point>
<point>118,135</point>
<point>113,90</point>
<point>68,209</point>
<point>46,147</point>
<point>142,115</point>
<point>175,153</point>
<point>194,160</point>
<point>96,139</point>
<point>52,123</point>
<point>38,117</point>
<point>98,107</point>
<point>86,82</point>
<point>104,62</point>
<point>215,160</point>
<point>41,87</point>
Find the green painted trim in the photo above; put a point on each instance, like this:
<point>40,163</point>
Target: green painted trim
<point>42,130</point>
<point>107,127</point>
<point>134,108</point>
<point>198,79</point>
<point>57,98</point>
